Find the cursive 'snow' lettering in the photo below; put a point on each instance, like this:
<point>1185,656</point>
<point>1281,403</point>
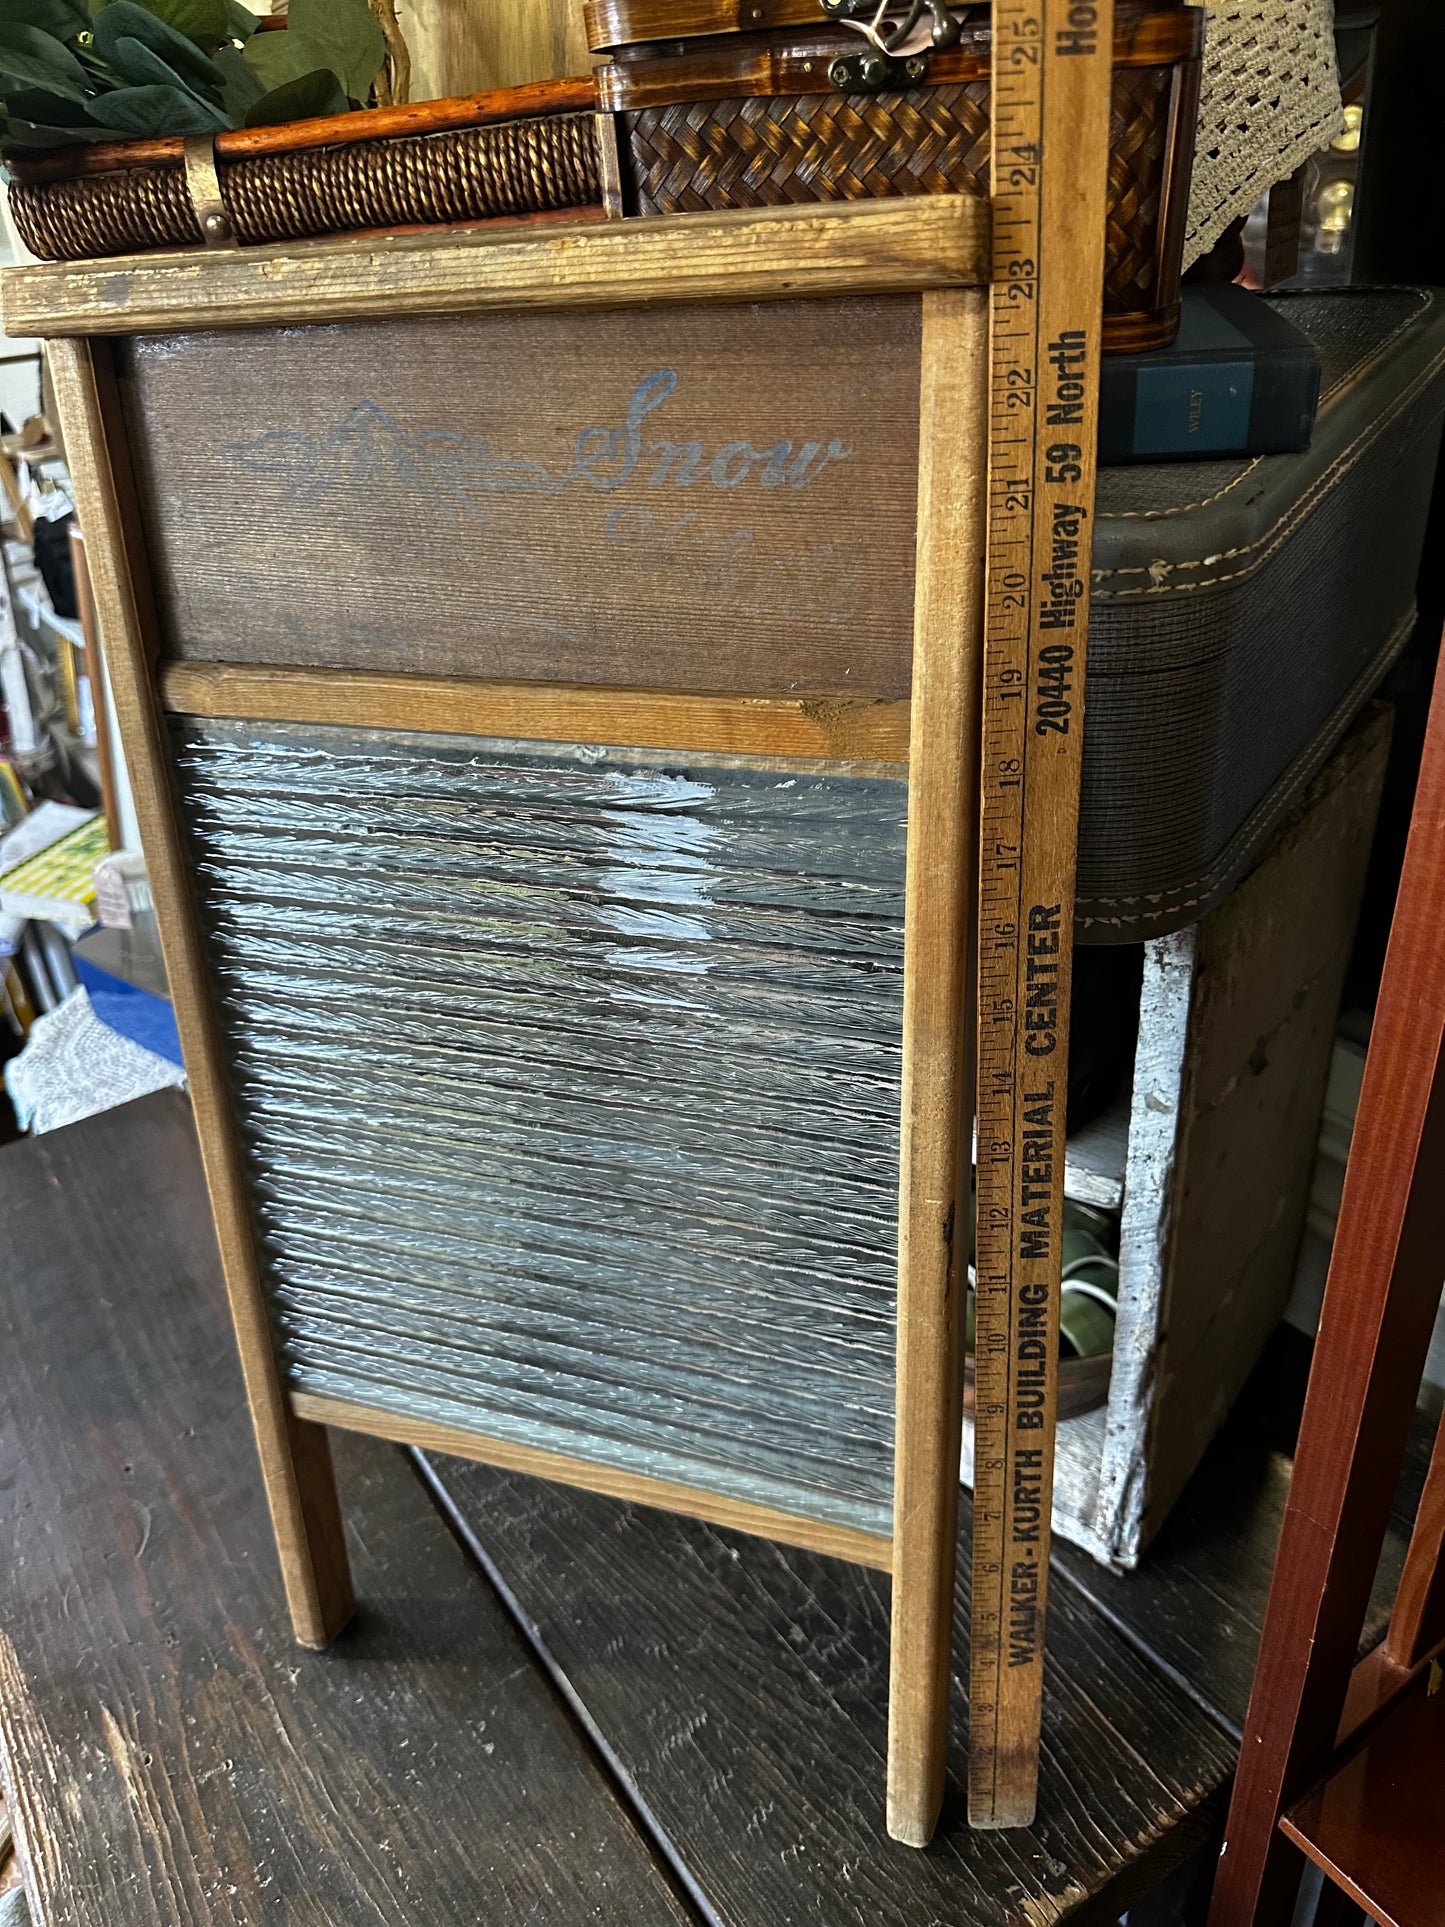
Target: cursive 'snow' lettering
<point>368,450</point>
<point>608,458</point>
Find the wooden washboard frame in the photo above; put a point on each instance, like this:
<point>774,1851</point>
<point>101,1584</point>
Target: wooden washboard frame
<point>933,251</point>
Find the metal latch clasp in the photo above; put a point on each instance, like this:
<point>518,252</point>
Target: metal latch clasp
<point>900,47</point>
<point>203,184</point>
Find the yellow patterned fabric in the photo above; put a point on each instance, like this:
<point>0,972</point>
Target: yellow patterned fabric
<point>62,873</point>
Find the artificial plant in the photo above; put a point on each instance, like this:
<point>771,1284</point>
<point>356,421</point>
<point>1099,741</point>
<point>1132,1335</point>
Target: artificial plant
<point>133,68</point>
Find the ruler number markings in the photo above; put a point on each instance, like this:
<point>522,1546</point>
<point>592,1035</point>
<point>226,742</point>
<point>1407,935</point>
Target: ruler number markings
<point>1050,107</point>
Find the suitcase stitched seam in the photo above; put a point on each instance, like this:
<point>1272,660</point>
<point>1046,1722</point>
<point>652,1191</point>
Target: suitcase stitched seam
<point>1272,537</point>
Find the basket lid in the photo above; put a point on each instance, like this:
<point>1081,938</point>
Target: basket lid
<point>629,23</point>
<point>612,24</point>
<point>625,23</point>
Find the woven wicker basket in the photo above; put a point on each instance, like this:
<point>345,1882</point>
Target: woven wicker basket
<point>711,117</point>
<point>708,120</point>
<point>526,150</point>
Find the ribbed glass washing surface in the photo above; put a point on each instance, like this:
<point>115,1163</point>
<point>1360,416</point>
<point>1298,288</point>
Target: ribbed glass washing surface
<point>568,1084</point>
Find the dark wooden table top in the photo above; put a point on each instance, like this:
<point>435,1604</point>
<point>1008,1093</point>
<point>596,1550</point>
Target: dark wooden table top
<point>552,1708</point>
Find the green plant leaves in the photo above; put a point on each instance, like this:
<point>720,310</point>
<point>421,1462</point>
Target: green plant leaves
<point>34,58</point>
<point>308,95</point>
<point>348,36</point>
<point>80,70</point>
<point>27,133</point>
<point>124,32</point>
<point>340,34</point>
<point>240,89</point>
<point>63,18</point>
<point>145,69</point>
<point>156,110</point>
<point>34,104</point>
<point>206,22</point>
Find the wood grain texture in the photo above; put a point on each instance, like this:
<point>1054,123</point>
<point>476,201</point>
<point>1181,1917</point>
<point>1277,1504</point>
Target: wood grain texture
<point>95,676</point>
<point>767,254</point>
<point>1379,1309</point>
<point>938,1040</point>
<point>830,728</point>
<point>17,508</point>
<point>1374,1825</point>
<point>294,1457</point>
<point>839,1542</point>
<point>172,1760</point>
<point>698,499</point>
<point>1144,30</point>
<point>1051,111</point>
<point>458,49</point>
<point>1268,966</point>
<point>741,1687</point>
<point>1417,1624</point>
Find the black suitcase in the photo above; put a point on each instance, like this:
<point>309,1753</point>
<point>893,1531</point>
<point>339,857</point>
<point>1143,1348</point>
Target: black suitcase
<point>1243,612</point>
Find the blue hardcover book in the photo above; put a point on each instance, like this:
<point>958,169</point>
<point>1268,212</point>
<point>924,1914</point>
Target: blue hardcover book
<point>1238,380</point>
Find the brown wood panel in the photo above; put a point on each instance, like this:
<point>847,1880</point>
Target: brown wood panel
<point>95,676</point>
<point>841,1542</point>
<point>752,65</point>
<point>172,1760</point>
<point>695,499</point>
<point>294,1457</point>
<point>1375,1823</point>
<point>826,728</point>
<point>1417,1625</point>
<point>743,1690</point>
<point>753,254</point>
<point>938,1048</point>
<point>1196,1603</point>
<point>1141,27</point>
<point>456,46</point>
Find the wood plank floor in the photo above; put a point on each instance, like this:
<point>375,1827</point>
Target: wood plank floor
<point>1195,1606</point>
<point>553,1707</point>
<point>742,1688</point>
<point>170,1756</point>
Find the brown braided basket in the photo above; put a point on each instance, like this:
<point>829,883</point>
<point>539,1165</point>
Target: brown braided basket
<point>445,161</point>
<point>713,119</point>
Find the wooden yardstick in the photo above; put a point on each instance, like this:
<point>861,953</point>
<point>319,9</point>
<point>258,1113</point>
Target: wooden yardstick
<point>1052,62</point>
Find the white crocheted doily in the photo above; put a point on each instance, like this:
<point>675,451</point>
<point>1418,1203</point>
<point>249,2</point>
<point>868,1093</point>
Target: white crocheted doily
<point>73,1065</point>
<point>1270,98</point>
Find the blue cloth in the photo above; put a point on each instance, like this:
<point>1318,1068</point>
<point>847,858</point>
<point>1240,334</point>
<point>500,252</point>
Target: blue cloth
<point>145,1019</point>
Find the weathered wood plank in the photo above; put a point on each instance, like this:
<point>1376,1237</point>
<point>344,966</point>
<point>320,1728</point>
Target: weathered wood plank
<point>172,1758</point>
<point>939,1040</point>
<point>858,247</point>
<point>743,1689</point>
<point>830,728</point>
<point>294,1458</point>
<point>842,1542</point>
<point>697,499</point>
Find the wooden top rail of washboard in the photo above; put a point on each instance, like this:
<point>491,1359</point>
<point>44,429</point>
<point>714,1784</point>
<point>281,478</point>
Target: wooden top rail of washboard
<point>908,245</point>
